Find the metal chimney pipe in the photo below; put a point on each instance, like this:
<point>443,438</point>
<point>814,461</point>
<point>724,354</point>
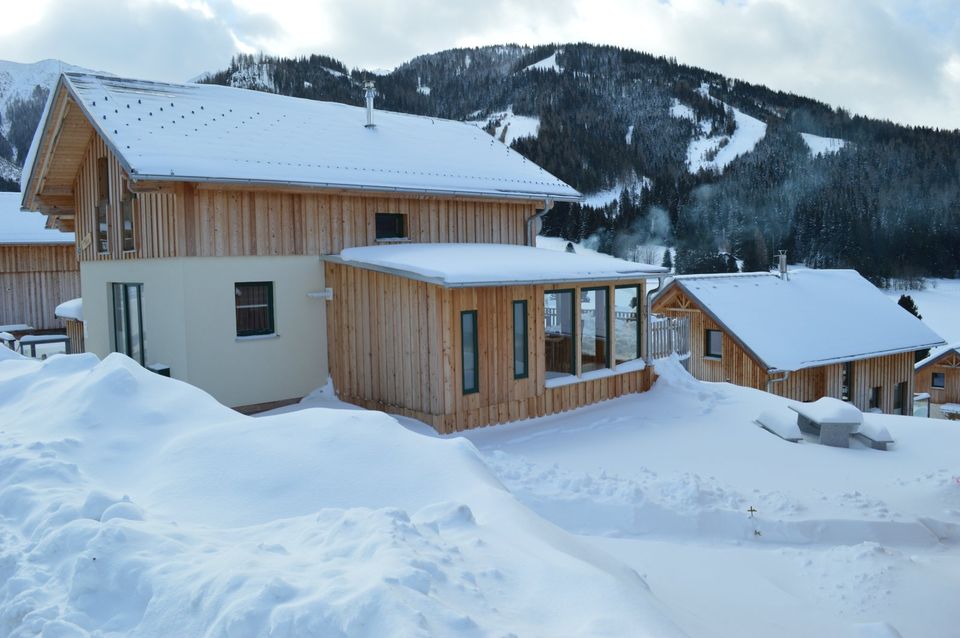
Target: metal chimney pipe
<point>369,92</point>
<point>782,262</point>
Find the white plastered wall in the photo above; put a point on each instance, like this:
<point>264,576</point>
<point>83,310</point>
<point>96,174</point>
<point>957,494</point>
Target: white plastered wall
<point>189,323</point>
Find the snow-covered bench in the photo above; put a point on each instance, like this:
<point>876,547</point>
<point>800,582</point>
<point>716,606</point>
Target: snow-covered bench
<point>874,435</point>
<point>832,419</point>
<point>780,423</point>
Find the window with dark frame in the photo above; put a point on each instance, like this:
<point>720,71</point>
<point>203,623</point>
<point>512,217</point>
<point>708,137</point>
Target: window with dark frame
<point>627,335</point>
<point>594,329</point>
<point>469,351</point>
<point>254,304</point>
<point>391,226</point>
<point>128,321</point>
<point>103,206</point>
<point>938,380</point>
<point>713,344</point>
<point>126,218</point>
<point>874,402</point>
<point>899,397</point>
<point>520,340</point>
<point>559,333</point>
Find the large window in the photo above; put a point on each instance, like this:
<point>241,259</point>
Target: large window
<point>128,320</point>
<point>126,219</point>
<point>469,359</point>
<point>391,226</point>
<point>626,331</point>
<point>900,398</point>
<point>254,301</point>
<point>559,333</point>
<point>103,206</point>
<point>874,401</point>
<point>520,340</point>
<point>713,344</point>
<point>937,380</point>
<point>594,329</point>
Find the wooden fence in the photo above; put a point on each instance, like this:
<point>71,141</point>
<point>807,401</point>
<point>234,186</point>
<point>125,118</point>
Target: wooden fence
<point>669,336</point>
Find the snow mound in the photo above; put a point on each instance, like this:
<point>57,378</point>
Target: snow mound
<point>782,423</point>
<point>829,410</point>
<point>72,309</point>
<point>133,504</point>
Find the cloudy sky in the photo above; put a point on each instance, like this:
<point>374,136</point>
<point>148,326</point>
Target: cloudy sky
<point>898,59</point>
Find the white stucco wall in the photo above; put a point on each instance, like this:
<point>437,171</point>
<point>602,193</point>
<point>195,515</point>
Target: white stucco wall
<point>190,323</point>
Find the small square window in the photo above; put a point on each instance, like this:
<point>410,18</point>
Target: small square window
<point>713,346</point>
<point>938,380</point>
<point>391,226</point>
<point>254,303</point>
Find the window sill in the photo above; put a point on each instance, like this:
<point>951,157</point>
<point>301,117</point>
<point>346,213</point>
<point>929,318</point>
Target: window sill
<point>624,368</point>
<point>272,335</point>
<point>393,240</point>
<point>707,357</point>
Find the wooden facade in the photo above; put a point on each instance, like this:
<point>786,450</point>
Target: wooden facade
<point>395,346</point>
<point>947,364</point>
<point>739,366</point>
<point>34,280</point>
<point>75,332</point>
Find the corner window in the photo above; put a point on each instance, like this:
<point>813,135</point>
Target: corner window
<point>559,328</point>
<point>469,358</point>
<point>391,226</point>
<point>937,380</point>
<point>874,402</point>
<point>128,320</point>
<point>126,219</point>
<point>594,329</point>
<point>713,344</point>
<point>626,322</point>
<point>520,339</point>
<point>254,303</point>
<point>103,206</point>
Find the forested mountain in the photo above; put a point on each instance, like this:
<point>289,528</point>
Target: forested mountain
<point>725,171</point>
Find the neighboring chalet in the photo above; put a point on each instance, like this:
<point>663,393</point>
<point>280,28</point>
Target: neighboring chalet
<point>252,242</point>
<point>939,376</point>
<point>38,268</point>
<point>805,334</point>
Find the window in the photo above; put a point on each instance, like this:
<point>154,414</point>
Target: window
<point>874,402</point>
<point>468,351</point>
<point>520,361</point>
<point>937,381</point>
<point>626,324</point>
<point>594,329</point>
<point>126,219</point>
<point>846,381</point>
<point>103,206</point>
<point>713,344</point>
<point>559,323</point>
<point>900,398</point>
<point>128,320</point>
<point>391,226</point>
<point>254,302</point>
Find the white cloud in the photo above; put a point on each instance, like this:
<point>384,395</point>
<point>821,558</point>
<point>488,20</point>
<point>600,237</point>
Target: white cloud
<point>884,58</point>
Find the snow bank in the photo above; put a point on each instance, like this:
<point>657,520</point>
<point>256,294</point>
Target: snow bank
<point>781,423</point>
<point>829,410</point>
<point>133,504</point>
<point>72,309</point>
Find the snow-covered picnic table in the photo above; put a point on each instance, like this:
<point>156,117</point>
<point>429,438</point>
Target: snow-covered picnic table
<point>832,419</point>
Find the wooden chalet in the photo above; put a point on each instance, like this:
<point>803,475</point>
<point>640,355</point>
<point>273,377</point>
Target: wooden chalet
<point>215,234</point>
<point>38,268</point>
<point>939,376</point>
<point>804,335</point>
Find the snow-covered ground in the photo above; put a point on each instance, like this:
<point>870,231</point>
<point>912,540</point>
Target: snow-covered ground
<point>549,63</point>
<point>511,126</point>
<point>939,304</point>
<point>822,145</point>
<point>707,152</point>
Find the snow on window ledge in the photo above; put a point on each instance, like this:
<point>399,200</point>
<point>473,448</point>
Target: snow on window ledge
<point>272,335</point>
<point>393,240</point>
<point>628,366</point>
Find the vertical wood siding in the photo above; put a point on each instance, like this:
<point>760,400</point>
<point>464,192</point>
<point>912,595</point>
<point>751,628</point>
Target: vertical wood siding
<point>395,346</point>
<point>34,280</point>
<point>949,364</point>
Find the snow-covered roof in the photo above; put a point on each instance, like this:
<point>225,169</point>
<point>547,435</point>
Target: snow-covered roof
<point>20,227</point>
<point>199,132</point>
<point>817,317</point>
<point>462,265</point>
<point>72,309</point>
<point>954,347</point>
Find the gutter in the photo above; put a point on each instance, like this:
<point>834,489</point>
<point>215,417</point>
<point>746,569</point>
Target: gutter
<point>531,238</point>
<point>771,381</point>
<point>645,337</point>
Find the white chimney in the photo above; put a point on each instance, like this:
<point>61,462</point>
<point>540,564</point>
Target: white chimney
<point>782,262</point>
<point>369,92</point>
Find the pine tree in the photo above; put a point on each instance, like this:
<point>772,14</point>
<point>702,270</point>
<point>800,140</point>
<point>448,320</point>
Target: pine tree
<point>907,303</point>
<point>667,259</point>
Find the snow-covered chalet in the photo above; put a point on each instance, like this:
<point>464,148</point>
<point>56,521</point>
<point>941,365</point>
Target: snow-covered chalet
<point>255,244</point>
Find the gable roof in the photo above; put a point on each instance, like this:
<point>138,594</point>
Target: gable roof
<point>21,227</point>
<point>474,265</point>
<point>815,318</point>
<point>200,132</point>
<point>936,356</point>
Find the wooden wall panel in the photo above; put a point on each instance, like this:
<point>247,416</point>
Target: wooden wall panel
<point>949,364</point>
<point>75,332</point>
<point>883,372</point>
<point>34,280</point>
